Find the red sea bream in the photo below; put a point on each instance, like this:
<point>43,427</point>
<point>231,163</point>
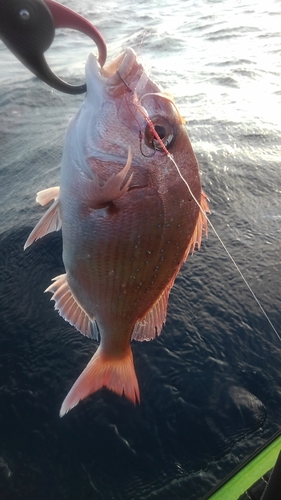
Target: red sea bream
<point>128,220</point>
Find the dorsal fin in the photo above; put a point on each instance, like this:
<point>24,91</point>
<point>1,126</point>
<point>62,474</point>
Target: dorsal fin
<point>201,225</point>
<point>70,309</point>
<point>150,326</point>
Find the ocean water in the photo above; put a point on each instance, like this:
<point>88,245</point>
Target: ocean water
<point>211,383</point>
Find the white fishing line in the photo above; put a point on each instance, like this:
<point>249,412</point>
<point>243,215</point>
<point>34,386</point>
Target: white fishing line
<point>226,250</point>
<point>144,113</point>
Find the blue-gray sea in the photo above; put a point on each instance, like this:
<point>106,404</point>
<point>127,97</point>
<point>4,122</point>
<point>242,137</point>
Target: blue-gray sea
<point>211,383</point>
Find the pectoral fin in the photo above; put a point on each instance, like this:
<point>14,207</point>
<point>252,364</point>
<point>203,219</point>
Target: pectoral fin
<point>68,307</point>
<point>51,220</point>
<point>97,196</point>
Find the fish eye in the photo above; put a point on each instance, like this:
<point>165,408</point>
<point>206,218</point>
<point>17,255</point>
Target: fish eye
<point>161,131</point>
<point>164,130</point>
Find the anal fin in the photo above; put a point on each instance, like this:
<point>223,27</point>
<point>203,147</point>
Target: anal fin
<point>70,309</point>
<point>51,220</point>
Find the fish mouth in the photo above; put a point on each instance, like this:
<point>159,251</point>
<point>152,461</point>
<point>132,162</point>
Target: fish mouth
<point>117,75</point>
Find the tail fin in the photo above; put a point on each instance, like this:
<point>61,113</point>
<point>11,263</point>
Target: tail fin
<point>118,375</point>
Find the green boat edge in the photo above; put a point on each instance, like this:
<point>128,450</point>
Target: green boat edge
<point>249,472</point>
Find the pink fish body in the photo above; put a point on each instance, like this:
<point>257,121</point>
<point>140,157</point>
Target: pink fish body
<point>128,220</point>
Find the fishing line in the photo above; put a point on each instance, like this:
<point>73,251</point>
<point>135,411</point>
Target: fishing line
<point>122,79</point>
<point>144,113</point>
<point>141,150</point>
<point>225,248</point>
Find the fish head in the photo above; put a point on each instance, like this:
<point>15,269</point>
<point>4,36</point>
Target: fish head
<point>123,109</point>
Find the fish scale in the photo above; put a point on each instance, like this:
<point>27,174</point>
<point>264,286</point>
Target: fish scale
<point>125,260</point>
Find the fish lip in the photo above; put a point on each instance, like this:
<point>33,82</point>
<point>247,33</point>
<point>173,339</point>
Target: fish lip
<point>114,74</point>
<point>93,68</point>
<point>118,71</point>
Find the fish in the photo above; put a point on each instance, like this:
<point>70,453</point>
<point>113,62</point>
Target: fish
<point>128,220</point>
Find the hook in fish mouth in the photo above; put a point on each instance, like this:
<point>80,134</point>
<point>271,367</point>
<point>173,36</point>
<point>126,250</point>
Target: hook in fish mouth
<point>120,72</point>
<point>118,77</point>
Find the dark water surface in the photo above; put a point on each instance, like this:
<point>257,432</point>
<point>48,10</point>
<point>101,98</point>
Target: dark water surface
<point>211,383</point>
